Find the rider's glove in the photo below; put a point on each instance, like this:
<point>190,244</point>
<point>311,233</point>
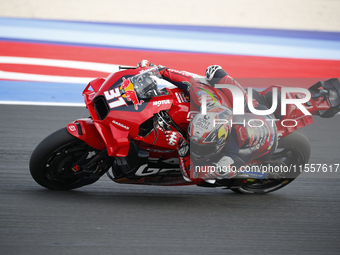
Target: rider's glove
<point>174,138</point>
<point>183,150</point>
<point>188,85</point>
<point>144,63</point>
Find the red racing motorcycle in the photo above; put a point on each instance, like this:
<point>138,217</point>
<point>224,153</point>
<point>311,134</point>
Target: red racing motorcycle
<point>123,137</point>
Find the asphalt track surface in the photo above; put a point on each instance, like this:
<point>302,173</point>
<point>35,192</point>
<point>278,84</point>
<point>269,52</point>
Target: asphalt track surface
<point>109,218</point>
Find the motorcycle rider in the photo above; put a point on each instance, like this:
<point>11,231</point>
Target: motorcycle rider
<point>212,149</point>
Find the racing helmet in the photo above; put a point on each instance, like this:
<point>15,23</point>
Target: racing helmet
<point>208,133</point>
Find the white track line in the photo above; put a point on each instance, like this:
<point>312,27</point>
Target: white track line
<point>42,103</point>
<point>100,67</point>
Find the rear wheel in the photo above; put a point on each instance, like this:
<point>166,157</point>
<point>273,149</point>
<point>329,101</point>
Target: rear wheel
<point>293,151</point>
<point>53,163</point>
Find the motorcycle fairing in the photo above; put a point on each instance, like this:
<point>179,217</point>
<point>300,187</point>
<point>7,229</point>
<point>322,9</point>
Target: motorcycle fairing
<point>113,126</point>
<point>85,130</point>
<point>147,167</point>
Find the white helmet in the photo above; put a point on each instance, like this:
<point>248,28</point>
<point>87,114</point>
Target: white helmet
<point>208,133</point>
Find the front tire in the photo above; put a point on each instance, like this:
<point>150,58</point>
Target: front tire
<point>52,161</point>
<point>294,151</point>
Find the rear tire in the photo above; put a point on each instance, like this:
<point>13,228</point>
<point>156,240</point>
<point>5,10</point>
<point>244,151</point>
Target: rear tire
<point>293,150</point>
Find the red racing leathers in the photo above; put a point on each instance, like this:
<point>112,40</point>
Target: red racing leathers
<point>193,85</point>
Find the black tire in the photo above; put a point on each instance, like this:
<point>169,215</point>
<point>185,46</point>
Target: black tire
<point>293,150</point>
<point>52,161</point>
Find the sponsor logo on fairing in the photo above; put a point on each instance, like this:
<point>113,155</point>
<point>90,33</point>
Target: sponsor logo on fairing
<point>120,124</point>
<point>72,128</point>
<point>160,102</point>
<point>144,170</point>
<point>130,93</point>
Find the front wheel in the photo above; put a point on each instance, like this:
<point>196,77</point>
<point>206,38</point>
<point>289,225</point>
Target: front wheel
<point>54,164</point>
<point>293,151</point>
